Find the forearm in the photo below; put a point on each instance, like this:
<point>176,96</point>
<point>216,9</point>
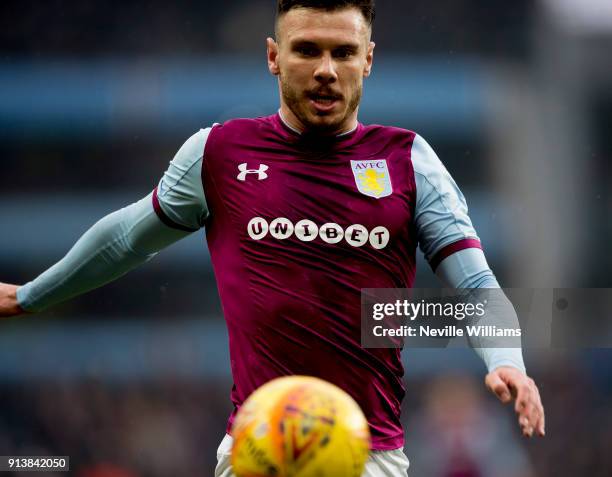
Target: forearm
<point>113,246</point>
<point>468,269</point>
<point>100,256</point>
<point>499,312</point>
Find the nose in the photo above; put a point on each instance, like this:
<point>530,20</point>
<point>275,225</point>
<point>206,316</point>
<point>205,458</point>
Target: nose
<point>326,72</point>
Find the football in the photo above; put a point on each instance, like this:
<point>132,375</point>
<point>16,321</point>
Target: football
<point>299,426</point>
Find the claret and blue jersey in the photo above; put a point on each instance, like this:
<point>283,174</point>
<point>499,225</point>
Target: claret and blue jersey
<point>297,225</point>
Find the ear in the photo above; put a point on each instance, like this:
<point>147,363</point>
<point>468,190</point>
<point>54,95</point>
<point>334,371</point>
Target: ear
<point>272,48</point>
<point>369,58</point>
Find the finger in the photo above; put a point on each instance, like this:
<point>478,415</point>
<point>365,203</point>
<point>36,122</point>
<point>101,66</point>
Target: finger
<point>531,411</point>
<point>531,418</point>
<point>526,409</point>
<point>540,424</point>
<point>540,427</point>
<point>526,423</point>
<point>526,428</point>
<point>536,412</point>
<point>522,398</point>
<point>498,387</point>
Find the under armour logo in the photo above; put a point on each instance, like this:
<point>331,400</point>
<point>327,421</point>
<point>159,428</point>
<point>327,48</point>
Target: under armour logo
<point>244,170</point>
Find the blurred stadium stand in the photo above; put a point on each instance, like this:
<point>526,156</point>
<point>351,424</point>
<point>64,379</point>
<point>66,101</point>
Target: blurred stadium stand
<point>95,98</point>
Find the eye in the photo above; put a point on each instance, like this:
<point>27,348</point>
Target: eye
<point>343,53</point>
<point>307,50</point>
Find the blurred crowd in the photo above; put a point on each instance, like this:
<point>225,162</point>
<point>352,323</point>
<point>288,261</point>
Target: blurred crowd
<point>173,427</point>
<point>163,428</point>
<point>61,28</point>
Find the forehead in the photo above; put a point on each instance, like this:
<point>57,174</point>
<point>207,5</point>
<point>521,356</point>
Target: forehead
<point>309,24</point>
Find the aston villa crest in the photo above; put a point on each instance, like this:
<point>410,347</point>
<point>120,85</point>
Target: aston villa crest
<point>372,178</point>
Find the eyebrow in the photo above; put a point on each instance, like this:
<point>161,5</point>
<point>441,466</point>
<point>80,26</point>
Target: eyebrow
<point>347,46</point>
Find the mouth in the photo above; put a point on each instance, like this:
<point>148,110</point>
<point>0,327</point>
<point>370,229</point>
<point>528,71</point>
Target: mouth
<point>323,103</point>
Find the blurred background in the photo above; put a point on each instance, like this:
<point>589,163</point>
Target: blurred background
<point>133,380</point>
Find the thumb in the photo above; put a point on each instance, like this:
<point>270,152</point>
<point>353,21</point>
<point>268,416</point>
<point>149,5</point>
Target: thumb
<point>498,387</point>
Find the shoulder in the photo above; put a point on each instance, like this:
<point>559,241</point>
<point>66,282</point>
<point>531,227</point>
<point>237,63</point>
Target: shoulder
<point>388,132</point>
<point>424,159</point>
<point>238,128</point>
<point>419,148</point>
<point>193,148</point>
<point>432,179</point>
<point>236,137</point>
<point>396,141</point>
<point>190,152</point>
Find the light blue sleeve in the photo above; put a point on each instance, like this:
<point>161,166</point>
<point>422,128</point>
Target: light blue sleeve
<point>112,247</point>
<point>441,217</point>
<point>180,192</point>
<point>441,213</point>
<point>468,269</point>
<point>130,236</point>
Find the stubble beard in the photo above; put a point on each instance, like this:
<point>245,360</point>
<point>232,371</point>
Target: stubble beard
<point>298,103</point>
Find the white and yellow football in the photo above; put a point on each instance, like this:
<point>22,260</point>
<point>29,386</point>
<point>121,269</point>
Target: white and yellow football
<point>299,426</point>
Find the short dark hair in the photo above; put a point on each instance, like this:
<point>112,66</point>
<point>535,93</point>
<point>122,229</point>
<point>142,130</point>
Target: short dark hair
<point>366,6</point>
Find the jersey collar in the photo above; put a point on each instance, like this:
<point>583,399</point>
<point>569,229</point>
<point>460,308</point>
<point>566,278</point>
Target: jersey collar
<point>341,136</point>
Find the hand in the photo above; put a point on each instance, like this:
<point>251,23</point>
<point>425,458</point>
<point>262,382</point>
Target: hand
<point>509,383</point>
<point>8,301</point>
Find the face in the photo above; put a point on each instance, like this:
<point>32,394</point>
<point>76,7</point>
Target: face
<point>320,59</point>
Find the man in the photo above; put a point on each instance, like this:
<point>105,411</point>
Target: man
<point>302,210</point>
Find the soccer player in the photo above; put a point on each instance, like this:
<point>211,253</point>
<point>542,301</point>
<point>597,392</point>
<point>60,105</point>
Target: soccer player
<point>302,209</point>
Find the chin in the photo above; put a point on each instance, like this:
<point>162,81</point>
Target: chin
<point>323,127</point>
<point>330,122</point>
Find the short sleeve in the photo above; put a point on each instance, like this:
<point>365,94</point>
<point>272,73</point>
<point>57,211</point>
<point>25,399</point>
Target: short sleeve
<point>441,214</point>
<point>179,200</point>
